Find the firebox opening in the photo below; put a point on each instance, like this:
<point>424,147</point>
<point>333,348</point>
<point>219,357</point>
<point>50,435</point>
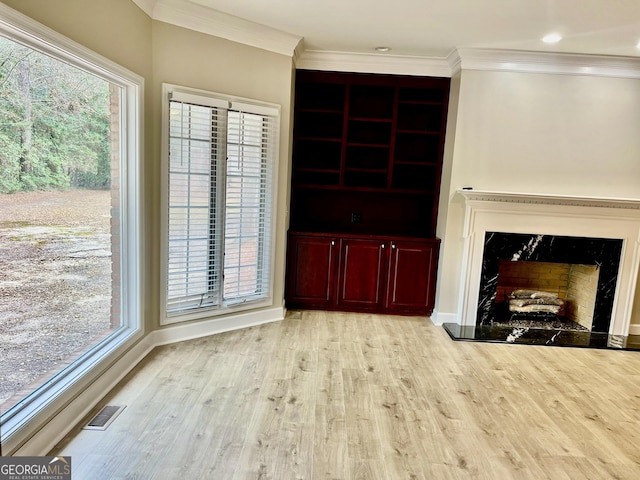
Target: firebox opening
<point>547,292</point>
<point>578,254</point>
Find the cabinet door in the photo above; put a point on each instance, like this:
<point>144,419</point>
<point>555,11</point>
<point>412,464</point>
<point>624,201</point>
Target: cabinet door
<point>412,277</point>
<point>361,277</point>
<point>311,271</point>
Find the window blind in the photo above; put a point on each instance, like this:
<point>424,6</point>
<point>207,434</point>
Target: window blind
<point>220,195</point>
<point>248,201</point>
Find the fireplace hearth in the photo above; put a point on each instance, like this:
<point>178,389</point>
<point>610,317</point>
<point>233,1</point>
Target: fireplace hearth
<point>540,336</point>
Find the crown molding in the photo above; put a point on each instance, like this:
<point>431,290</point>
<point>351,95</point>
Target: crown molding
<point>298,52</point>
<point>146,6</point>
<point>454,61</point>
<point>373,63</point>
<point>544,62</point>
<point>206,20</point>
<point>192,15</point>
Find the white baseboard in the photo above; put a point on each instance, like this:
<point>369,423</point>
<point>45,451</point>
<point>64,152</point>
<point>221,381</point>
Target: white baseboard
<point>64,421</point>
<point>438,318</point>
<point>204,328</point>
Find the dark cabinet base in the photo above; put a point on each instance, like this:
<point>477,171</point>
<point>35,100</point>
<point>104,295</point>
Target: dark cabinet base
<point>379,274</point>
<point>311,263</point>
<point>412,276</point>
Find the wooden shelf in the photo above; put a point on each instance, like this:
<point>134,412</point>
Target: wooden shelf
<point>374,170</point>
<point>369,145</point>
<point>370,120</point>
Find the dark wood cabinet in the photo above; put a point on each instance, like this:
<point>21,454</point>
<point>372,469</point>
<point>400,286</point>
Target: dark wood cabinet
<point>373,274</point>
<point>311,269</point>
<point>367,161</point>
<point>411,280</point>
<point>361,275</point>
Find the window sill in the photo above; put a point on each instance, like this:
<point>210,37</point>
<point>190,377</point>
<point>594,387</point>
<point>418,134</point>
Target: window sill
<point>216,311</point>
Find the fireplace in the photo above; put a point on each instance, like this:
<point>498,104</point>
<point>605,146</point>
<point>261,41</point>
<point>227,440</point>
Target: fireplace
<point>563,279</point>
<point>596,239</point>
<point>546,291</point>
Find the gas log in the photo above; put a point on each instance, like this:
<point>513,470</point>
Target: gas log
<point>535,301</point>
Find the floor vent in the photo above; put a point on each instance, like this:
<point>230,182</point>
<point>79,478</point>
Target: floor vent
<point>104,418</point>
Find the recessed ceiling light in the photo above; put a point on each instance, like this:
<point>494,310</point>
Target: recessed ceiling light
<point>552,38</point>
<point>383,49</point>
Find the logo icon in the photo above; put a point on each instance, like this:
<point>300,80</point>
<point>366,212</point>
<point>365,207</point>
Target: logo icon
<point>35,468</point>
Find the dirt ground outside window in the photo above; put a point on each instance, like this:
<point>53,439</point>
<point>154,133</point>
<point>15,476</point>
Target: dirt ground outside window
<point>55,284</point>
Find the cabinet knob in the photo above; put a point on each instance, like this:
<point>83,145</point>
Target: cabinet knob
<point>383,246</point>
<point>393,245</point>
<point>333,243</point>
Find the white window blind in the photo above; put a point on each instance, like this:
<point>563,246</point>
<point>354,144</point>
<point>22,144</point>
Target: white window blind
<point>220,195</point>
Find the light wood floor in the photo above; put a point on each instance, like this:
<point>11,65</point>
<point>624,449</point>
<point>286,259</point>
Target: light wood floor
<point>334,395</point>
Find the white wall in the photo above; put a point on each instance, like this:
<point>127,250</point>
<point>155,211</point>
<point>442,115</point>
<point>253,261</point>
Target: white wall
<point>536,133</point>
<point>548,133</point>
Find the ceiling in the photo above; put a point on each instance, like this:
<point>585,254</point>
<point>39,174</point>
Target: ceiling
<point>434,28</point>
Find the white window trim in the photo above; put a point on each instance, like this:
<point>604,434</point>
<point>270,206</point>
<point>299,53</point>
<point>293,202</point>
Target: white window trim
<point>218,311</point>
<point>24,421</point>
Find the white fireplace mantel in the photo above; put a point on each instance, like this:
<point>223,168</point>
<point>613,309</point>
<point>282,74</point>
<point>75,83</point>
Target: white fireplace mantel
<point>548,214</point>
<point>549,199</point>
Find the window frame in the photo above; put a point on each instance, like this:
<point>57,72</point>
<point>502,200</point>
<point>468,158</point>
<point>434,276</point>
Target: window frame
<point>25,419</point>
<point>211,311</point>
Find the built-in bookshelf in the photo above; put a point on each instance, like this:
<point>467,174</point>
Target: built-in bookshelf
<point>367,161</point>
<point>367,151</point>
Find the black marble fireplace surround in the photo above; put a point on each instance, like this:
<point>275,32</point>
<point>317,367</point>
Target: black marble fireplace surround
<point>602,252</point>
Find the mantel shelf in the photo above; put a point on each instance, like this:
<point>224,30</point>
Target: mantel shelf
<point>549,199</point>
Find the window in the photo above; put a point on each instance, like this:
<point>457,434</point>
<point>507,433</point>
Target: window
<point>84,143</point>
<point>220,157</point>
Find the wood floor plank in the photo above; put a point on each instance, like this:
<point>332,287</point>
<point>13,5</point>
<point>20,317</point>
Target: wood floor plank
<point>332,460</point>
<point>330,395</point>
